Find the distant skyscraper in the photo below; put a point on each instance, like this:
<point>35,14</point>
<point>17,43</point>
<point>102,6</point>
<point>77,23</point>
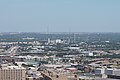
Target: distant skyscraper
<point>74,38</point>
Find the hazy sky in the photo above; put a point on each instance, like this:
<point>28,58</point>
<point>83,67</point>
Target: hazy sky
<point>60,15</point>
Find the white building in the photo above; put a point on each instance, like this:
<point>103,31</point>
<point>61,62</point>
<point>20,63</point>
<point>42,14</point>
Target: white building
<point>112,72</point>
